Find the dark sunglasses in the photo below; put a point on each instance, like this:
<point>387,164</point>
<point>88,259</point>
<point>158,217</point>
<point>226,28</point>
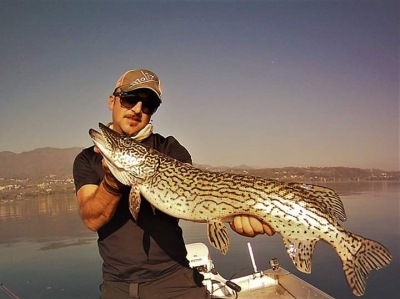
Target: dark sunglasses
<point>128,100</point>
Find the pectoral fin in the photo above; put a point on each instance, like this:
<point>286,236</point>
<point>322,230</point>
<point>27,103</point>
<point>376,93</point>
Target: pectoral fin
<point>134,202</point>
<point>300,251</point>
<point>218,235</point>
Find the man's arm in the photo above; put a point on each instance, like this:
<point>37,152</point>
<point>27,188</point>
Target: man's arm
<point>96,205</point>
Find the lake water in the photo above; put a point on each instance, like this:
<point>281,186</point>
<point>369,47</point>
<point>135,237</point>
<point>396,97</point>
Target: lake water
<point>47,252</point>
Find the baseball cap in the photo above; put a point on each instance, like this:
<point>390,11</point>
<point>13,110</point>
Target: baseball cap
<point>140,78</point>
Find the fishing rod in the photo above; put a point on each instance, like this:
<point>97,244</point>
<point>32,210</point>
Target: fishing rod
<point>8,291</point>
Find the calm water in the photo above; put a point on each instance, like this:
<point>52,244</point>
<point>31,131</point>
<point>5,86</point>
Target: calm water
<point>46,252</point>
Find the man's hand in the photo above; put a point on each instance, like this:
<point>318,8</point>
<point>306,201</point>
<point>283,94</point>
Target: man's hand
<point>250,227</point>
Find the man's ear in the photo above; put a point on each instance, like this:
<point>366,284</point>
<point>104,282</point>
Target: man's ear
<point>111,101</point>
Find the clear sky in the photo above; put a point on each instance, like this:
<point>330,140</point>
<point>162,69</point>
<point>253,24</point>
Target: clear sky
<point>262,83</point>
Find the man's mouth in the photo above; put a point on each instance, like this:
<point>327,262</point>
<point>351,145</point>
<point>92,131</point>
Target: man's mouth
<point>133,118</point>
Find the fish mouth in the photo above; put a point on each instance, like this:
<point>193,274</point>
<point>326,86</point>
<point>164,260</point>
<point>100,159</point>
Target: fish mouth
<point>98,138</point>
<point>109,135</point>
<point>106,141</point>
<point>114,147</point>
<point>100,141</point>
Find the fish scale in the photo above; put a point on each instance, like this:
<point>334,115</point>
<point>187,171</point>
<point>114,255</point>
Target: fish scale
<point>302,213</point>
<point>213,186</point>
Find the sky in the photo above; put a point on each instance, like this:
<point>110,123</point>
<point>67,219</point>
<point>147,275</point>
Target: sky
<point>260,83</point>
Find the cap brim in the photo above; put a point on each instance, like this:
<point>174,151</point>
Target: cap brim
<point>129,88</point>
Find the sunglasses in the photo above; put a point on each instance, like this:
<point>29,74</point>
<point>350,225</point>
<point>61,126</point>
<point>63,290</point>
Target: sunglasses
<point>129,100</point>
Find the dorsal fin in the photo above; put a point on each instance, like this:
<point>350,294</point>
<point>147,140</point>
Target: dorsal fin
<point>327,199</point>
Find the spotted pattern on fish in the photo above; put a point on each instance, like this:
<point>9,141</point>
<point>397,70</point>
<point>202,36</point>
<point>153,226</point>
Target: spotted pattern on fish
<point>302,213</point>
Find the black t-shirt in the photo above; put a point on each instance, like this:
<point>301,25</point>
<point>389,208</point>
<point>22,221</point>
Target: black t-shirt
<point>142,251</point>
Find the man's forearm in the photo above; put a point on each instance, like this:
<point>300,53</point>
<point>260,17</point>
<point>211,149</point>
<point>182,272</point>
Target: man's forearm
<point>99,208</point>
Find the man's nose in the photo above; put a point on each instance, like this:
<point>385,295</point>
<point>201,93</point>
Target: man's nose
<point>138,107</point>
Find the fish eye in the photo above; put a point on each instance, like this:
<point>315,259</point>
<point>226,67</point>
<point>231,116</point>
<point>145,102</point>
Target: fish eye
<point>126,141</point>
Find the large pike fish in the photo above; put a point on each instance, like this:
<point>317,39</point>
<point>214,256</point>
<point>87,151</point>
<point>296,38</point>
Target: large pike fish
<point>302,213</point>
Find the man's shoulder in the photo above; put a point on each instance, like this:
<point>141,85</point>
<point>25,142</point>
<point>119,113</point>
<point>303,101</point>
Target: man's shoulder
<point>87,152</point>
<point>88,155</point>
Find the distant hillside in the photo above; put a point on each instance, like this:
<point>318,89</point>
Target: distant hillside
<point>310,173</point>
<point>42,162</point>
<point>38,163</point>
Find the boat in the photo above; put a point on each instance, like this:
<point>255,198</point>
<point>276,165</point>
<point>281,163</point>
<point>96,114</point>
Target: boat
<point>275,282</point>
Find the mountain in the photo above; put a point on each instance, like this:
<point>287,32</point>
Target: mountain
<point>43,162</point>
<point>38,163</point>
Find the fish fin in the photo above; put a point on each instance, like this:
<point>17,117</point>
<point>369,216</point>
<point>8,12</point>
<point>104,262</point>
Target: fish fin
<point>134,202</point>
<point>325,197</point>
<point>300,251</point>
<point>218,235</point>
<point>357,265</point>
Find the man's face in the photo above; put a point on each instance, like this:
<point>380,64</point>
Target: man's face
<point>131,114</point>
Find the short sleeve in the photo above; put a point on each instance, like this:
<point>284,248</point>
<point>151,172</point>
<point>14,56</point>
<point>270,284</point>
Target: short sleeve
<point>86,170</point>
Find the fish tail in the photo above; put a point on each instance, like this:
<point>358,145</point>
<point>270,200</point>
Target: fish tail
<point>359,258</point>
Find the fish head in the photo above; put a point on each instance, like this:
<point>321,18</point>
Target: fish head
<point>128,160</point>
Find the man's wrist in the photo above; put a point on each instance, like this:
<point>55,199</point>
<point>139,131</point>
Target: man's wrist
<point>110,189</point>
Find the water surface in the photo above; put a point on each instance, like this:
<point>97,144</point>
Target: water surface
<point>47,252</point>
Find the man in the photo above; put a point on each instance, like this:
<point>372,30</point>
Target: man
<point>144,259</point>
